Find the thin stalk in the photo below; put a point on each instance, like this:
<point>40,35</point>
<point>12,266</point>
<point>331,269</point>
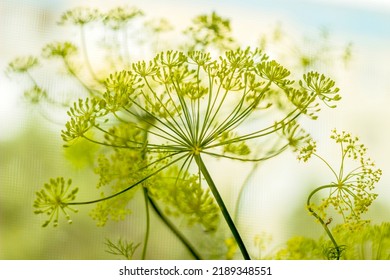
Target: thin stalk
<point>327,164</point>
<point>191,249</point>
<point>222,206</point>
<point>168,127</point>
<point>324,225</point>
<point>73,73</point>
<point>243,159</point>
<point>85,53</point>
<point>257,134</point>
<point>129,187</point>
<point>45,95</point>
<point>243,186</point>
<point>171,226</point>
<point>175,125</point>
<point>248,177</point>
<point>147,233</point>
<point>236,117</point>
<point>125,45</point>
<point>187,114</point>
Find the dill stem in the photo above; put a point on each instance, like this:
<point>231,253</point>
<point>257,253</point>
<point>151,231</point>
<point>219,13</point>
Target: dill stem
<point>324,225</point>
<point>243,186</point>
<point>222,206</point>
<point>125,45</point>
<point>147,233</point>
<point>85,53</point>
<point>173,228</point>
<point>74,74</point>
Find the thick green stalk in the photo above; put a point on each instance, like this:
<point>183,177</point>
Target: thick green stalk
<point>222,206</point>
<point>147,233</point>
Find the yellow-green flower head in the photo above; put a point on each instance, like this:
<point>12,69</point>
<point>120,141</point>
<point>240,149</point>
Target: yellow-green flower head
<point>210,30</point>
<point>167,113</point>
<point>23,64</point>
<point>54,199</point>
<point>196,103</point>
<point>80,16</point>
<point>352,192</point>
<point>59,49</point>
<point>118,17</point>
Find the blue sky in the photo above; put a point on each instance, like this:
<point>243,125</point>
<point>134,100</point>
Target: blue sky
<point>341,17</point>
<point>345,18</point>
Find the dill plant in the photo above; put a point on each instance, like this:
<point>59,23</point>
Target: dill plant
<point>341,203</point>
<point>350,194</point>
<point>160,121</point>
<point>168,114</point>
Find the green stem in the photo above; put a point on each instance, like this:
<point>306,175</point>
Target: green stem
<point>243,187</point>
<point>324,225</point>
<point>74,74</point>
<point>222,206</point>
<point>149,200</point>
<point>147,233</point>
<point>128,188</point>
<point>125,45</point>
<point>85,53</point>
<point>172,227</point>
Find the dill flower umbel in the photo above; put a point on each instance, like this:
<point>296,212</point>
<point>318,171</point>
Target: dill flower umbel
<point>352,191</point>
<point>54,199</point>
<point>169,113</point>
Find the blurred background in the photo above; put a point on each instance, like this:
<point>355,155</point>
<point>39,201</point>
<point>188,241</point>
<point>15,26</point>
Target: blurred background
<point>351,43</point>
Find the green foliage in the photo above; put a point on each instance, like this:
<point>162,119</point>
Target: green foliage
<point>371,242</point>
<point>121,248</point>
<point>301,248</point>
